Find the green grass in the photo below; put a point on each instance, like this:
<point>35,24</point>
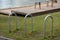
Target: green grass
<point>38,27</point>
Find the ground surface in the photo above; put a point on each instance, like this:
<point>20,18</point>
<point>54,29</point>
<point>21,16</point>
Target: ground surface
<point>31,9</point>
<point>37,33</point>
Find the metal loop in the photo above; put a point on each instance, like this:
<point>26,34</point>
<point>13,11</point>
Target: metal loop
<point>9,20</point>
<point>45,25</point>
<point>25,31</point>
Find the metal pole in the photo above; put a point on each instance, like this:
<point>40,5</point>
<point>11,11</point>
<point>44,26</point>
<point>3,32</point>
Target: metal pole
<point>52,27</point>
<point>9,23</point>
<point>45,25</point>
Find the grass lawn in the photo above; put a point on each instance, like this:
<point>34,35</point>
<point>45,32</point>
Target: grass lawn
<point>37,30</point>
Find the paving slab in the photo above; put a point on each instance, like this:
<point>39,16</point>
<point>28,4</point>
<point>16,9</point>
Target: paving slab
<point>32,9</point>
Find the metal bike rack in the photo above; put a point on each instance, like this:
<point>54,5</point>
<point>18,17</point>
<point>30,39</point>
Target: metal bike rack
<point>45,25</point>
<point>9,20</point>
<point>25,23</point>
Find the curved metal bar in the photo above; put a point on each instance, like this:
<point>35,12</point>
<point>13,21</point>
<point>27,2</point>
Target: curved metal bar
<point>45,25</point>
<point>9,20</point>
<point>15,19</point>
<point>25,31</point>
